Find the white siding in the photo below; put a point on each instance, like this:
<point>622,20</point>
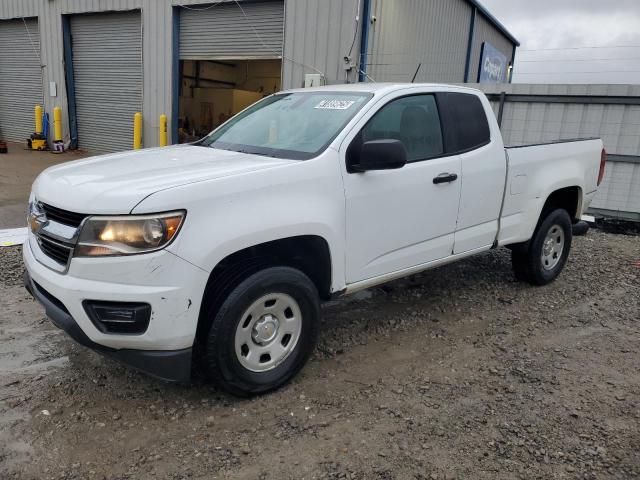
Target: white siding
<point>617,125</point>
<point>408,33</point>
<point>156,20</point>
<point>156,50</point>
<point>484,31</point>
<point>318,34</point>
<point>620,189</point>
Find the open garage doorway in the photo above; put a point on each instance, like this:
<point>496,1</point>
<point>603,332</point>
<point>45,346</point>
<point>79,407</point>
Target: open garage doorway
<point>212,91</point>
<point>230,56</point>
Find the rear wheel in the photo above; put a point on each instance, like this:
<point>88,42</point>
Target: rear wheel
<point>264,331</point>
<point>547,252</point>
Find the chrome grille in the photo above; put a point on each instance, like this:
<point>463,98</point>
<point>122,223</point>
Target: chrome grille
<point>57,251</point>
<point>55,231</point>
<point>65,217</point>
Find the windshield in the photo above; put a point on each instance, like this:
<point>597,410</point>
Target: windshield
<point>293,125</point>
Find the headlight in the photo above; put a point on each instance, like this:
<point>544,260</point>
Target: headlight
<point>127,234</point>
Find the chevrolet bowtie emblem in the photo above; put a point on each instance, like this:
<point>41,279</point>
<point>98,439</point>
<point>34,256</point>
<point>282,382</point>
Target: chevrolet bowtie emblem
<point>37,218</point>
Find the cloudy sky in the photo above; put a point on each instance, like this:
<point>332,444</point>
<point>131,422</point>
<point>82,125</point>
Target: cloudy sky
<point>553,32</point>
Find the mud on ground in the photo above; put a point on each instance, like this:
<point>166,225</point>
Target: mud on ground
<point>459,372</point>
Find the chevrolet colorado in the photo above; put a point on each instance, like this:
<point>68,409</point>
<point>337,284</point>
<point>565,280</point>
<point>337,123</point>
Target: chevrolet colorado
<point>218,253</point>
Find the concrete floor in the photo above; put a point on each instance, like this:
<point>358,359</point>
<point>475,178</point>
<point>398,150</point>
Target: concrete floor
<point>18,169</point>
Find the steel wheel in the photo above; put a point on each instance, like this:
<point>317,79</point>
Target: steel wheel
<point>552,247</point>
<point>541,260</point>
<point>268,332</point>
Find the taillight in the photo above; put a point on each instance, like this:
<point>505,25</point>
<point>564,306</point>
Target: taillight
<point>603,162</point>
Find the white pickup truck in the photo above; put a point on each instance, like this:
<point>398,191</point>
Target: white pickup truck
<point>219,252</point>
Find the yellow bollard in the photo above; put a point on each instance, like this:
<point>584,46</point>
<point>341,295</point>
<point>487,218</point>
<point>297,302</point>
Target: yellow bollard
<point>163,130</point>
<point>38,115</point>
<point>57,124</point>
<point>137,131</point>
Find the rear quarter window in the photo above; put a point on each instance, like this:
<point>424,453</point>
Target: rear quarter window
<point>466,124</point>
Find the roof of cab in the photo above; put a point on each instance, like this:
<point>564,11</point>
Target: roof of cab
<point>375,88</point>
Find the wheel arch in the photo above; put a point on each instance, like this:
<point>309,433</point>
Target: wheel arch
<point>567,198</point>
<point>310,254</point>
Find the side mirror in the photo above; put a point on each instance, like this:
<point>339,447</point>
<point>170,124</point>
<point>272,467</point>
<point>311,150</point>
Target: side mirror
<point>381,155</point>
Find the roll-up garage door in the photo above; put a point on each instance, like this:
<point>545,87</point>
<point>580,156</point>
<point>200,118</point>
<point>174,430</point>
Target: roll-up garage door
<point>225,32</point>
<point>20,77</point>
<point>107,70</point>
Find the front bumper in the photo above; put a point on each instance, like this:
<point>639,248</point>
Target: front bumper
<point>171,286</point>
<point>170,365</point>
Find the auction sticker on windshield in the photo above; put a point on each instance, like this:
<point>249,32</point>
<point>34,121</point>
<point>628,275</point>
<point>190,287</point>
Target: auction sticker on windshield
<point>335,104</point>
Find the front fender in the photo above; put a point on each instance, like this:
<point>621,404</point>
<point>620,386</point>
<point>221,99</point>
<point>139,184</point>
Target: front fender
<point>230,214</point>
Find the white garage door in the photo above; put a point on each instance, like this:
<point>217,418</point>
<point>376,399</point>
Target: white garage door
<point>225,32</point>
<point>20,78</point>
<point>107,70</point>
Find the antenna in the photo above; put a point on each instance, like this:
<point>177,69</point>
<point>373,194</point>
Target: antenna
<point>416,74</point>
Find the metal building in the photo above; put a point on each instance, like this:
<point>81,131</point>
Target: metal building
<point>545,113</point>
<point>199,62</point>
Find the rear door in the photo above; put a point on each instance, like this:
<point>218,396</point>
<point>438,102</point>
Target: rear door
<point>469,133</point>
<point>398,219</point>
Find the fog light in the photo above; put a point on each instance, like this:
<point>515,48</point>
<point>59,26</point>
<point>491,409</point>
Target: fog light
<point>118,317</point>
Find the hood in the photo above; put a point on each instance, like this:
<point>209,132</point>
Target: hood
<point>114,184</point>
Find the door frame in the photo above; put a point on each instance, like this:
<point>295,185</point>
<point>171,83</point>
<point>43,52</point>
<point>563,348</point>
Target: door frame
<point>176,74</point>
<point>347,138</point>
<point>67,46</point>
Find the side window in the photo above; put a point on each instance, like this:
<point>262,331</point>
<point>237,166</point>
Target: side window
<point>466,122</point>
<point>413,120</point>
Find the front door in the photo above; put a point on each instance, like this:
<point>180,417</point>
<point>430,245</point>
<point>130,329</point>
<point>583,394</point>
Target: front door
<point>397,219</point>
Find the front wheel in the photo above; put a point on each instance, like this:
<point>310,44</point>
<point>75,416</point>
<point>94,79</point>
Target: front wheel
<point>264,332</point>
<point>548,250</point>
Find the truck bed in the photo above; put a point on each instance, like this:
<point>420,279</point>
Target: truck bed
<point>534,171</point>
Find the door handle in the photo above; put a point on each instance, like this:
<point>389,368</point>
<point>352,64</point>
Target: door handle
<point>445,178</point>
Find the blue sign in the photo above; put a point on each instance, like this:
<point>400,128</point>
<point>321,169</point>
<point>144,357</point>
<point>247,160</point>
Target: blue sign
<point>493,65</point>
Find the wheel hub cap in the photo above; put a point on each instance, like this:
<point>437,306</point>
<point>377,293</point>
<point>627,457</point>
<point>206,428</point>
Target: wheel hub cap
<point>268,332</point>
<point>548,246</point>
<point>552,247</point>
<point>265,329</point>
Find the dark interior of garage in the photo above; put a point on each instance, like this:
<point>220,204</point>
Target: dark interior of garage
<point>212,91</point>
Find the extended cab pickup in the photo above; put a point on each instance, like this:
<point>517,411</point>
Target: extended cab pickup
<point>219,252</point>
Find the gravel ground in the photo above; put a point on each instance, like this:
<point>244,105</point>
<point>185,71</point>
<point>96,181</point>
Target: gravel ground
<point>459,372</point>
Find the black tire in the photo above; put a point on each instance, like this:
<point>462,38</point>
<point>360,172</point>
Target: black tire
<point>220,361</point>
<point>580,228</point>
<point>528,264</point>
